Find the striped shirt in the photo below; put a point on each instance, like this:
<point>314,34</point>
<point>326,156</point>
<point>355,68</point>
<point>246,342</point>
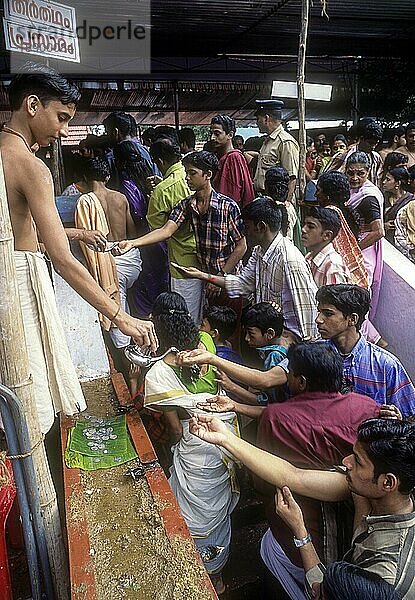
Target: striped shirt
<point>280,275</point>
<point>385,545</point>
<point>327,267</point>
<point>216,231</point>
<point>377,373</point>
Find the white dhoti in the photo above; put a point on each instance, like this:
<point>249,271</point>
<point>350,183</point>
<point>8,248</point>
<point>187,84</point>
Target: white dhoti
<point>203,475</point>
<point>128,269</point>
<point>55,383</point>
<point>192,291</point>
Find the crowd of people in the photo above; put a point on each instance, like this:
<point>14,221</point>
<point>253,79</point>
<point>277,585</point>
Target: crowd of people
<point>269,307</point>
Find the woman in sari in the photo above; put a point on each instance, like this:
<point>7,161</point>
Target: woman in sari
<point>394,186</point>
<point>202,476</point>
<point>366,201</point>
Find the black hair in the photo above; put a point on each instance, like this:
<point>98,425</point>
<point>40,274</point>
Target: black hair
<point>264,316</point>
<point>187,136</point>
<point>227,123</point>
<point>254,143</point>
<point>389,134</point>
<point>309,142</point>
<point>165,132</point>
<point>358,158</point>
<point>238,137</point>
<point>173,324</point>
<point>336,185</point>
<point>411,171</point>
<point>327,217</point>
<point>95,169</point>
<point>276,183</point>
<point>43,82</point>
<point>370,130</point>
<point>411,125</point>
<point>206,161</point>
<point>274,113</point>
<point>339,138</point>
<point>147,137</point>
<point>393,159</point>
<point>401,175</point>
<point>131,164</point>
<point>344,581</point>
<point>166,149</point>
<point>390,445</point>
<point>347,298</point>
<point>319,363</point>
<point>266,210</point>
<point>122,121</point>
<point>222,318</point>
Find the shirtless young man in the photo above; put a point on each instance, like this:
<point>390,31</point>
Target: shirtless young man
<point>43,102</point>
<point>109,210</point>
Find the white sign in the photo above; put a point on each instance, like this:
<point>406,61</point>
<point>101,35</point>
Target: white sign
<point>42,28</point>
<point>312,91</point>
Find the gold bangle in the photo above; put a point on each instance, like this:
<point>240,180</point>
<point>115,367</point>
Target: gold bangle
<point>116,314</point>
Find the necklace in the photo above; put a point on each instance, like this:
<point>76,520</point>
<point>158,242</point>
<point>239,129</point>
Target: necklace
<point>7,129</point>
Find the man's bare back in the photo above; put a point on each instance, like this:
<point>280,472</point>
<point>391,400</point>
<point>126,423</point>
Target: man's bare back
<point>115,205</point>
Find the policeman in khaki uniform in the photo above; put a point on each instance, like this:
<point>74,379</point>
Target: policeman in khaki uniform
<point>279,149</point>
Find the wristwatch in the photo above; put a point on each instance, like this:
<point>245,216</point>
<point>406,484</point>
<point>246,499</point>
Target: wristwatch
<point>299,543</point>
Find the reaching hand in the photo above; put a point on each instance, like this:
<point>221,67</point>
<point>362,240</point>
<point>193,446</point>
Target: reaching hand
<point>288,509</point>
<point>209,429</point>
<point>188,271</point>
<point>223,380</point>
<point>93,238</point>
<point>390,411</point>
<point>122,247</point>
<point>142,332</point>
<point>217,404</point>
<point>194,357</point>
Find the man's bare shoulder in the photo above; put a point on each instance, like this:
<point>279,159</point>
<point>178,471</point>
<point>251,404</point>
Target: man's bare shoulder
<point>116,198</point>
<point>403,150</point>
<point>22,164</point>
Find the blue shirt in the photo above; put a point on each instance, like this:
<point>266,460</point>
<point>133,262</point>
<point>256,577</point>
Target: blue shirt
<point>228,354</point>
<point>377,373</point>
<point>272,356</point>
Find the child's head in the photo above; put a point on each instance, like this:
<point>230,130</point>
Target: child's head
<point>320,227</point>
<point>220,322</point>
<point>263,325</point>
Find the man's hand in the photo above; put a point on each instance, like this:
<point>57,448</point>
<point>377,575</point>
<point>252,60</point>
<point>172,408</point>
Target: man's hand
<point>152,181</point>
<point>95,239</point>
<point>195,357</point>
<point>189,271</point>
<point>288,509</point>
<point>209,429</point>
<point>142,332</point>
<point>223,380</point>
<point>122,247</point>
<point>218,404</point>
<point>390,411</point>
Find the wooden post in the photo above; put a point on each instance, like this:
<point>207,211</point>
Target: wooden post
<point>56,166</point>
<point>305,9</point>
<point>14,373</point>
<point>176,105</point>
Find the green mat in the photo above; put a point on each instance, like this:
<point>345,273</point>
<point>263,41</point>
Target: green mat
<point>98,443</point>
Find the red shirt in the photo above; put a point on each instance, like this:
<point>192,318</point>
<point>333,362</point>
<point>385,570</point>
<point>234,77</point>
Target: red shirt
<point>233,178</point>
<point>313,430</point>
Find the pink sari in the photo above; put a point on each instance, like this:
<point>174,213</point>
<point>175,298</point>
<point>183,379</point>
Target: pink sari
<point>372,256</point>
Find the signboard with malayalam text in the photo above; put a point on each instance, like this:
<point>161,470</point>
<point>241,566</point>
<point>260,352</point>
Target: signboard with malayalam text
<point>41,28</point>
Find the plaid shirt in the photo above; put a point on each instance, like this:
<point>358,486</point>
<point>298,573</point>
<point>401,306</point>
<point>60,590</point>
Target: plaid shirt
<point>327,267</point>
<point>216,232</point>
<point>281,275</point>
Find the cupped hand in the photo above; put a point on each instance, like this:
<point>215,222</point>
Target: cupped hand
<point>122,247</point>
<point>223,380</point>
<point>198,356</point>
<point>289,510</point>
<point>209,429</point>
<point>218,404</point>
<point>390,411</point>
<point>142,332</point>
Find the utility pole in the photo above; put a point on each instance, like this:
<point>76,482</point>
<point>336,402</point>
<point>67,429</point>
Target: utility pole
<point>302,48</point>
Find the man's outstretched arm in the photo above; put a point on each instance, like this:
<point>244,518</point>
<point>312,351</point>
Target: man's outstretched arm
<point>253,377</point>
<point>321,485</point>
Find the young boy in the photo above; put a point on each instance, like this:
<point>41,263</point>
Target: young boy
<point>220,322</point>
<point>264,331</point>
<point>320,228</point>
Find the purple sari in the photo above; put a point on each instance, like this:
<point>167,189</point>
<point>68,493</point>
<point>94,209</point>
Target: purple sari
<point>154,277</point>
